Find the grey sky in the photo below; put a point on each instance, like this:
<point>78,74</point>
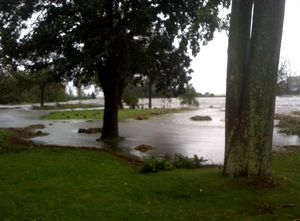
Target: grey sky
<point>210,64</point>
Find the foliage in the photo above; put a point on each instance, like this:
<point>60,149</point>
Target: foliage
<point>87,35</point>
<point>92,95</point>
<point>130,96</point>
<point>284,73</point>
<point>109,40</point>
<point>153,165</point>
<point>181,161</point>
<point>189,97</point>
<point>20,87</point>
<point>289,125</point>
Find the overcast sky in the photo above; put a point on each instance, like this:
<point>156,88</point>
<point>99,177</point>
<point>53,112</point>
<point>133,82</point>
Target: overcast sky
<point>210,64</point>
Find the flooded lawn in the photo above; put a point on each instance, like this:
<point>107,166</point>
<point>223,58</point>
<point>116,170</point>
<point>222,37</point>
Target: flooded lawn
<point>168,134</point>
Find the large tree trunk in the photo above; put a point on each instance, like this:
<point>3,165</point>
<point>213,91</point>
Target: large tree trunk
<point>251,82</point>
<point>110,86</point>
<point>239,40</point>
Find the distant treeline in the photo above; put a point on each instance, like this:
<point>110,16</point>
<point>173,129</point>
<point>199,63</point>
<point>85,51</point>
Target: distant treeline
<point>20,87</point>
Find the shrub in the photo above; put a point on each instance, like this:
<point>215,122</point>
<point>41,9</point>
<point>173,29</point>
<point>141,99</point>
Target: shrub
<point>154,165</point>
<point>181,161</point>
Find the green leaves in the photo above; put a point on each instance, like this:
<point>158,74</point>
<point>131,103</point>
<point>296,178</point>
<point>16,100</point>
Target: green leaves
<point>109,32</point>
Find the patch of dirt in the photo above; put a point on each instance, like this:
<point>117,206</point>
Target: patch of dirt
<point>201,118</point>
<point>130,159</point>
<point>35,127</point>
<point>143,148</point>
<point>22,134</point>
<point>261,182</point>
<point>155,113</point>
<point>90,130</point>
<point>142,118</point>
<point>286,150</point>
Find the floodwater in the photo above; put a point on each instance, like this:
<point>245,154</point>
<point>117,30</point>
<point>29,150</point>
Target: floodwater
<point>168,134</point>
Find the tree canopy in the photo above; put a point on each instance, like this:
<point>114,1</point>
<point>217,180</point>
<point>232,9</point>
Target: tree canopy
<point>110,39</point>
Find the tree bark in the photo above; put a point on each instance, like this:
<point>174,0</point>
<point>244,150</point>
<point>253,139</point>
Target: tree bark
<point>110,85</point>
<point>251,86</point>
<point>239,38</point>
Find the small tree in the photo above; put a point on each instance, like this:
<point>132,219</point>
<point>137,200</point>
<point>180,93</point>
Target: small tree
<point>130,96</point>
<point>189,97</point>
<point>284,73</point>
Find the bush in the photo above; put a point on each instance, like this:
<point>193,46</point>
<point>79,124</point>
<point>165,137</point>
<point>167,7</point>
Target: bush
<point>130,96</point>
<point>289,125</point>
<point>181,161</point>
<point>154,165</point>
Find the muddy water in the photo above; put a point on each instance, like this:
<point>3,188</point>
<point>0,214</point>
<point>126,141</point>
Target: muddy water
<point>168,134</point>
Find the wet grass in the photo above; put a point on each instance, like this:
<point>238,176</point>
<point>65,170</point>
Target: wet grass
<point>98,114</point>
<point>73,184</point>
<point>6,137</point>
<point>65,106</point>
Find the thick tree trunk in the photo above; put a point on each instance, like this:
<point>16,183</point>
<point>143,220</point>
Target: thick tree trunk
<point>239,40</point>
<point>251,97</point>
<point>110,86</point>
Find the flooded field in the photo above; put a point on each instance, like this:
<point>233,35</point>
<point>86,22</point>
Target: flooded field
<point>168,134</point>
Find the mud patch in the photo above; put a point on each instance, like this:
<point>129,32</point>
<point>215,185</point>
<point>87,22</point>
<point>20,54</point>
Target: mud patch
<point>285,150</point>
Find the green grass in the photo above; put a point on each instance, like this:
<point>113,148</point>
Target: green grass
<point>98,114</point>
<point>74,184</point>
<point>65,106</point>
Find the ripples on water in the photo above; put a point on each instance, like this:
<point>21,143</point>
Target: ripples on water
<point>168,134</point>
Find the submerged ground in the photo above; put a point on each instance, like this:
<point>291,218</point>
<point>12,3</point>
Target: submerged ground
<point>168,134</point>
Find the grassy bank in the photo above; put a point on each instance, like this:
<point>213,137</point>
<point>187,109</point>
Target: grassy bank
<point>73,184</point>
<point>98,114</point>
<point>65,106</point>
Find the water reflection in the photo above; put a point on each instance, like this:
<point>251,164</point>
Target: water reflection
<point>168,134</point>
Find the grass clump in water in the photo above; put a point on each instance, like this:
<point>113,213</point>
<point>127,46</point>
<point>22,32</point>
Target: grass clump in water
<point>59,106</point>
<point>98,114</point>
<point>289,124</point>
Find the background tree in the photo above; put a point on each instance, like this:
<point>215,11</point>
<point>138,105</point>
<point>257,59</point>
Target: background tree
<point>130,96</point>
<point>284,73</point>
<point>251,80</point>
<point>41,79</point>
<point>189,97</point>
<point>22,87</point>
<point>104,38</point>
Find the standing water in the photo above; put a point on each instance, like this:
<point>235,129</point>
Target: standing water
<point>168,134</point>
